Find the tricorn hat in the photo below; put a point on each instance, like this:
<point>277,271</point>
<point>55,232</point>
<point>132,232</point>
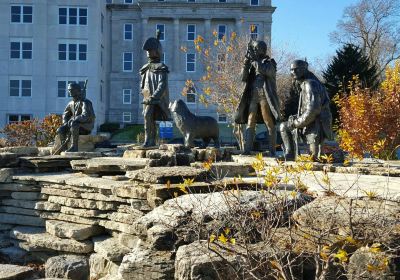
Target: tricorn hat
<point>153,44</point>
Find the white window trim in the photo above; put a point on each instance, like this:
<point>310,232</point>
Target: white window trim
<point>226,118</point>
<point>22,14</point>
<point>77,15</point>
<point>66,80</point>
<point>124,31</point>
<point>187,31</point>
<point>191,62</point>
<point>195,99</point>
<point>21,40</point>
<point>130,95</point>
<point>164,58</point>
<point>123,62</point>
<point>19,78</point>
<point>126,114</point>
<point>163,24</point>
<point>257,28</point>
<point>19,117</point>
<point>226,29</point>
<point>77,43</point>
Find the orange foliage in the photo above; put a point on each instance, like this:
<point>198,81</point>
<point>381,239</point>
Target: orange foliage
<point>370,121</point>
<point>33,132</point>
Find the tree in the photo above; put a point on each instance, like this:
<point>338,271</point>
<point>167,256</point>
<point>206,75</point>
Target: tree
<point>348,62</point>
<point>374,26</point>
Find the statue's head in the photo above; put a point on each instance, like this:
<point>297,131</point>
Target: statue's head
<point>260,48</point>
<point>298,69</point>
<point>153,48</point>
<point>75,90</point>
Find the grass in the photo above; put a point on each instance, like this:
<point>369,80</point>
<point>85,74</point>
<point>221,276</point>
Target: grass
<point>127,134</point>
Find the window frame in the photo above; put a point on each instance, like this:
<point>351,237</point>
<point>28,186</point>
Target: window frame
<point>123,62</point>
<point>188,33</point>
<point>255,5</point>
<point>224,33</point>
<point>254,35</point>
<point>194,62</point>
<point>222,114</point>
<point>20,86</point>
<point>77,52</point>
<point>162,35</point>
<point>124,114</point>
<point>78,15</point>
<point>21,14</point>
<point>124,93</point>
<point>67,80</point>
<point>128,2</point>
<point>21,50</point>
<point>19,117</point>
<point>127,32</point>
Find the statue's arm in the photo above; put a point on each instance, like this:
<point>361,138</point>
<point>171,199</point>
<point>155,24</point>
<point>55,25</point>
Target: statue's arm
<point>245,70</point>
<point>266,67</point>
<point>312,99</point>
<point>67,114</point>
<point>85,115</point>
<point>162,84</point>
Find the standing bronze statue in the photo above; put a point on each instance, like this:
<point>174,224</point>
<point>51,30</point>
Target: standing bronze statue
<point>259,102</point>
<point>78,119</point>
<point>154,88</point>
<point>313,122</point>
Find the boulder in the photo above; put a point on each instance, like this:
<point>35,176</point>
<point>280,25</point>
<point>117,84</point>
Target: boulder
<point>15,272</point>
<point>72,230</point>
<point>101,267</point>
<point>128,240</point>
<point>161,175</point>
<point>67,266</point>
<point>143,263</point>
<point>110,248</point>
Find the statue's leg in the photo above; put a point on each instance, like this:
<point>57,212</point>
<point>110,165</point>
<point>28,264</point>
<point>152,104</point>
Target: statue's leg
<point>288,141</point>
<point>251,127</point>
<point>206,141</point>
<point>315,150</point>
<point>270,124</point>
<point>149,126</point>
<point>74,130</point>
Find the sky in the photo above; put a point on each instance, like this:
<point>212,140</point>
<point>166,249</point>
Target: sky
<point>304,26</point>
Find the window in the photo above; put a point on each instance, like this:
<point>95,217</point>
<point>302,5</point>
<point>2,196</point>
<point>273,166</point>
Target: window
<point>21,14</point>
<point>20,49</point>
<point>254,31</point>
<point>101,91</point>
<point>222,118</point>
<point>163,59</point>
<point>128,1</point>
<point>126,117</point>
<point>128,61</point>
<point>101,55</point>
<point>191,32</point>
<point>191,95</point>
<point>62,85</point>
<point>254,2</point>
<point>18,118</point>
<point>128,31</point>
<point>222,1</point>
<point>190,62</point>
<point>72,52</point>
<point>126,96</point>
<point>160,0</point>
<point>161,29</point>
<point>109,1</point>
<point>221,32</point>
<point>72,16</point>
<point>20,88</point>
<point>191,1</point>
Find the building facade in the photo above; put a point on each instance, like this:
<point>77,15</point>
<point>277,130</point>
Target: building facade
<point>46,44</point>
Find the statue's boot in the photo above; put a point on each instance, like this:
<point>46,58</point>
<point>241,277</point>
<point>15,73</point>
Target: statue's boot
<point>149,135</point>
<point>74,139</point>
<point>249,139</point>
<point>315,150</point>
<point>288,144</point>
<point>272,142</point>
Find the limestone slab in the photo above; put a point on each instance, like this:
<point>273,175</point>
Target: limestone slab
<point>8,159</point>
<point>128,240</point>
<point>20,150</point>
<point>21,220</point>
<point>102,197</point>
<point>6,174</point>
<point>161,175</point>
<point>68,218</point>
<point>73,267</point>
<point>108,164</point>
<point>28,196</point>
<point>71,230</point>
<point>47,206</point>
<point>60,192</point>
<point>126,218</point>
<point>134,154</point>
<point>46,240</point>
<point>110,248</point>
<point>122,227</point>
<point>101,267</point>
<point>132,190</point>
<point>20,211</point>
<point>83,203</point>
<point>86,213</point>
<point>15,187</point>
<point>227,169</point>
<point>15,272</point>
<point>19,203</point>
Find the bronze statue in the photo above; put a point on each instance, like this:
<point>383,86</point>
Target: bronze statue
<point>259,102</point>
<point>313,122</point>
<point>78,119</point>
<point>192,126</point>
<point>154,88</point>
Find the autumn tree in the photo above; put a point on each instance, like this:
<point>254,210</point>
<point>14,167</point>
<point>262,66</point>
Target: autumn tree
<point>374,26</point>
<point>348,62</point>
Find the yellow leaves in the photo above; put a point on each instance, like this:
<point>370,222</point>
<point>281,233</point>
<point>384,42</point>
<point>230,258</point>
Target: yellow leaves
<point>207,90</point>
<point>252,27</point>
<point>224,237</point>
<point>216,42</point>
<point>375,248</point>
<point>203,100</point>
<point>259,157</point>
<point>379,145</point>
<point>327,158</point>
<point>233,35</point>
<point>371,194</point>
<point>208,68</point>
<point>229,49</point>
<point>341,256</point>
<point>198,48</point>
<point>325,252</point>
<point>256,215</point>
<point>186,183</point>
<point>200,39</point>
<point>215,33</point>
<point>182,187</point>
<point>208,164</point>
<point>183,48</point>
<point>212,238</point>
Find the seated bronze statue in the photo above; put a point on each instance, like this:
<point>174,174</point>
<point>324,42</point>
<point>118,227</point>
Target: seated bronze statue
<point>78,119</point>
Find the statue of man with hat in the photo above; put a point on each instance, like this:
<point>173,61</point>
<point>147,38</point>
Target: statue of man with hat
<point>313,122</point>
<point>154,87</point>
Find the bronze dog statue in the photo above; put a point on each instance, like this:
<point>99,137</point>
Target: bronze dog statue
<point>192,126</point>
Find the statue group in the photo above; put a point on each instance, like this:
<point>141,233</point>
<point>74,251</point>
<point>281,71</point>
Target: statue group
<point>259,103</point>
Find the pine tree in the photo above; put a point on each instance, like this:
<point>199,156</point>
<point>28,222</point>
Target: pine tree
<point>348,62</point>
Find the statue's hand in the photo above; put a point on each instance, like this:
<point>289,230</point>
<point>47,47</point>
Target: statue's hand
<point>291,122</point>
